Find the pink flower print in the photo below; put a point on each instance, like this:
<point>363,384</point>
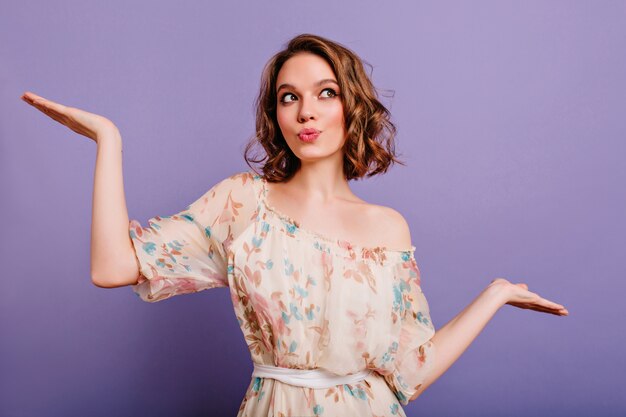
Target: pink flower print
<point>187,285</point>
<point>252,320</point>
<point>278,323</point>
<point>377,254</point>
<point>422,353</point>
<point>263,312</point>
<point>260,303</point>
<point>347,246</point>
<point>253,277</point>
<point>228,215</point>
<point>359,331</point>
<point>136,228</point>
<point>362,273</point>
<point>324,335</point>
<point>327,267</point>
<point>278,326</point>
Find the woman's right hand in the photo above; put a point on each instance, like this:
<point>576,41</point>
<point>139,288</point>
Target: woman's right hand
<point>84,123</point>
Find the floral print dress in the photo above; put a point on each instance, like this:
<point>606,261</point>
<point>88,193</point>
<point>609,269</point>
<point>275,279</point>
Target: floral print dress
<point>302,300</point>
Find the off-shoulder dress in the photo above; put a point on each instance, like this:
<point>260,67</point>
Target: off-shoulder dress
<point>302,300</point>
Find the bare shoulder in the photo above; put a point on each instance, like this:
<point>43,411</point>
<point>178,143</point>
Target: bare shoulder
<point>391,227</point>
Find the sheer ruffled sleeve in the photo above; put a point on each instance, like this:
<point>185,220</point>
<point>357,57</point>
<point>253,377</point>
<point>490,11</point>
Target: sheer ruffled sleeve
<point>416,353</point>
<point>187,252</point>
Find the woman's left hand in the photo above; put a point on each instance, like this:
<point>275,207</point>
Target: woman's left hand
<point>518,295</point>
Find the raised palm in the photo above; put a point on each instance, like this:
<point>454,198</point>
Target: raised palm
<point>518,295</point>
<point>82,122</point>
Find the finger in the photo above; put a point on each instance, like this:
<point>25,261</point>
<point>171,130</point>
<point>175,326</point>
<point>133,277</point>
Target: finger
<point>551,310</point>
<point>548,309</point>
<point>35,98</point>
<point>60,108</point>
<point>28,98</point>
<point>27,95</point>
<point>542,308</point>
<point>539,308</point>
<point>551,304</point>
<point>32,98</point>
<point>33,95</point>
<point>542,302</point>
<point>52,114</point>
<point>48,111</point>
<point>559,312</point>
<point>46,107</point>
<point>63,119</point>
<point>55,117</point>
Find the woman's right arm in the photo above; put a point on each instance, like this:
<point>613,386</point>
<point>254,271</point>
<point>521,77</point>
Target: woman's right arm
<point>113,260</point>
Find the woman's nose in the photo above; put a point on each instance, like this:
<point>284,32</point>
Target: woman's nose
<point>305,116</point>
<point>306,111</point>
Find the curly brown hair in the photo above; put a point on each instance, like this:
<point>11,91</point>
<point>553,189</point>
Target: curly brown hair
<point>369,148</point>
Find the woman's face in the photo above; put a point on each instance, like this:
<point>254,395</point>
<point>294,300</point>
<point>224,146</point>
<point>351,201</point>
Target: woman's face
<point>308,97</point>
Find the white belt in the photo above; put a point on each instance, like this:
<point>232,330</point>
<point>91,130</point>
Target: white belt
<point>311,378</point>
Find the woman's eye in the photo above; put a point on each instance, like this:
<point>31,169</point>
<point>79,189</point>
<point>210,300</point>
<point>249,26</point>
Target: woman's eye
<point>282,99</point>
<point>333,93</point>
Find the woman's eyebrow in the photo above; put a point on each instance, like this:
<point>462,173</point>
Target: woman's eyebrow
<point>317,84</point>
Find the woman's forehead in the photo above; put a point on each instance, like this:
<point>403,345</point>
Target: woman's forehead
<point>304,70</point>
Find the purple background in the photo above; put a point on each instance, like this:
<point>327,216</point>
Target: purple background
<point>511,120</point>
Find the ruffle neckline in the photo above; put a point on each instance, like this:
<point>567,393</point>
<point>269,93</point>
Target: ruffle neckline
<point>337,242</point>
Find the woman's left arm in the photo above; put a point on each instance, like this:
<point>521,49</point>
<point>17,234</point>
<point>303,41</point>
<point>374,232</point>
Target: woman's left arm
<point>454,338</point>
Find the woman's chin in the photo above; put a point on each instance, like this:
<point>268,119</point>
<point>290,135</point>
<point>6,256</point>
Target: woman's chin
<point>312,155</point>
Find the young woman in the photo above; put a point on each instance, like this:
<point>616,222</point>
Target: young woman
<point>324,285</point>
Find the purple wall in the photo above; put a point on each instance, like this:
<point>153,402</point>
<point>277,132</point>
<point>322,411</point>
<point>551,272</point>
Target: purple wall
<point>511,120</point>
